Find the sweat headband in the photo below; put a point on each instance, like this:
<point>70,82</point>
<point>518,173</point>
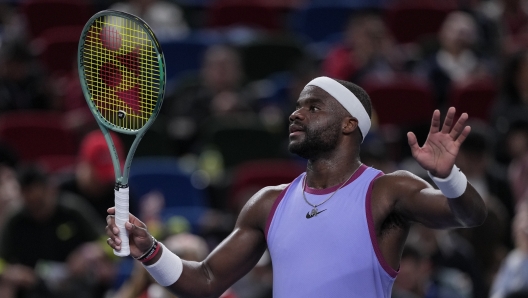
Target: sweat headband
<point>347,99</point>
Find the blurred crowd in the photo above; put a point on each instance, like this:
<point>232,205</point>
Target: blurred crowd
<point>234,71</point>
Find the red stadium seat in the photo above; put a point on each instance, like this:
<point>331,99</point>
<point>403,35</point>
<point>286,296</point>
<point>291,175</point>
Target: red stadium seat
<point>475,98</point>
<point>400,100</point>
<point>411,20</point>
<point>253,14</point>
<point>58,47</point>
<point>251,176</point>
<point>41,15</point>
<point>266,56</point>
<point>58,164</point>
<point>33,135</point>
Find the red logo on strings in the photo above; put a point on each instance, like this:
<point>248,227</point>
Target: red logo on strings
<point>123,79</point>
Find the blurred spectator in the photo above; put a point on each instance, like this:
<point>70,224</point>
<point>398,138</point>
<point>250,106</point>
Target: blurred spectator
<point>219,91</point>
<point>476,159</point>
<point>366,48</point>
<point>513,16</point>
<point>188,247</point>
<point>518,294</point>
<point>490,241</point>
<point>258,283</point>
<point>375,153</point>
<point>487,17</point>
<point>22,83</point>
<point>38,238</point>
<point>78,115</point>
<point>512,105</point>
<point>90,273</point>
<point>94,178</point>
<point>513,274</point>
<point>10,196</point>
<point>11,23</point>
<point>277,95</point>
<point>517,147</point>
<point>455,61</point>
<point>164,17</point>
<point>417,278</point>
<point>453,259</point>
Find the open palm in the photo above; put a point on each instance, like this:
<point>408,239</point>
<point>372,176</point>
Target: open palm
<point>439,151</point>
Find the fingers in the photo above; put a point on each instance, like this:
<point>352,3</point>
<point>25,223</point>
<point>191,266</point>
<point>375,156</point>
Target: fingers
<point>462,137</point>
<point>413,142</point>
<point>136,229</point>
<point>459,131</point>
<point>113,232</point>
<point>435,122</point>
<point>459,126</point>
<point>448,122</point>
<point>113,244</point>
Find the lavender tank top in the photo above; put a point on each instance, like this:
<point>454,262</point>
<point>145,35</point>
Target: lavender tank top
<point>333,254</point>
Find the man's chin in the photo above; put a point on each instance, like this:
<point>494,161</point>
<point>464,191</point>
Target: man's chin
<point>297,149</point>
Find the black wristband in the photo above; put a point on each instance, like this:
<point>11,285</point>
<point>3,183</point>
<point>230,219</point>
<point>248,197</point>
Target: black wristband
<point>149,252</point>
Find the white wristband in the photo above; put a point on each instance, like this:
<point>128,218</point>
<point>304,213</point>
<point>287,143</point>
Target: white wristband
<point>454,185</point>
<point>167,269</point>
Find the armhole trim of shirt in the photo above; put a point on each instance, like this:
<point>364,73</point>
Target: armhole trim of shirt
<point>372,231</point>
<point>273,209</point>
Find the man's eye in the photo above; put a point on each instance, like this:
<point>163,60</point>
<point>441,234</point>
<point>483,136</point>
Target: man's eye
<point>313,108</point>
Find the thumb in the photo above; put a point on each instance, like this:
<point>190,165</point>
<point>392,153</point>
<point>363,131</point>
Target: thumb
<point>139,236</point>
<point>134,230</point>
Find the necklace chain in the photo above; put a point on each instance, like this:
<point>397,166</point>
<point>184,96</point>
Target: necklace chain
<point>314,210</point>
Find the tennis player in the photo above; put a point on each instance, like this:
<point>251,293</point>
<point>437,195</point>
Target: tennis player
<point>338,229</point>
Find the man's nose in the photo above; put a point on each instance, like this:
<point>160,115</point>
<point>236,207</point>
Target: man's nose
<point>297,115</point>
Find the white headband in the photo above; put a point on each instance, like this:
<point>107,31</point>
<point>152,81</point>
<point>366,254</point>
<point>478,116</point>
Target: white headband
<point>347,99</point>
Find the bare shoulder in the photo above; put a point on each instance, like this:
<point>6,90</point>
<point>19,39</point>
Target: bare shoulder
<point>258,207</point>
<point>399,182</point>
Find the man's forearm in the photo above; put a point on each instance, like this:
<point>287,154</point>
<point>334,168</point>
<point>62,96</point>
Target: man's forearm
<point>184,278</point>
<point>465,202</point>
<point>469,208</point>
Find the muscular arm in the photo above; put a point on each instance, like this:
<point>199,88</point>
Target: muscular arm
<point>231,260</point>
<point>417,201</point>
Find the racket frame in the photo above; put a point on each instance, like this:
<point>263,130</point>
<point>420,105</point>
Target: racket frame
<point>121,185</point>
<point>121,176</point>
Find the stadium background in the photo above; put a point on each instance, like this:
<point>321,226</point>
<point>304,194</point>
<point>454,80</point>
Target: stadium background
<point>234,71</point>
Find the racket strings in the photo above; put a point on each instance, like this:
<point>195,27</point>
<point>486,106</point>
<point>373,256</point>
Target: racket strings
<point>122,71</point>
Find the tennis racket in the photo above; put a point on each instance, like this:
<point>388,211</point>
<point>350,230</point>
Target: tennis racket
<point>122,72</point>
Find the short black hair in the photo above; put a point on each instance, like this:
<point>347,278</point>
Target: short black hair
<point>510,71</point>
<point>479,141</point>
<point>31,174</point>
<point>360,93</point>
<point>518,294</point>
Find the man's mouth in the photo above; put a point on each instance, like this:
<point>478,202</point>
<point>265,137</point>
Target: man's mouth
<point>296,129</point>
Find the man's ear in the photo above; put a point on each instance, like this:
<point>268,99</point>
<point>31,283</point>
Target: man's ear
<point>350,124</point>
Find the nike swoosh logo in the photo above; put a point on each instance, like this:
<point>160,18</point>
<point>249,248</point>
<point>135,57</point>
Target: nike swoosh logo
<point>308,215</point>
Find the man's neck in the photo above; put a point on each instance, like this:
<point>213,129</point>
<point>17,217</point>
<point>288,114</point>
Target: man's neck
<point>324,173</point>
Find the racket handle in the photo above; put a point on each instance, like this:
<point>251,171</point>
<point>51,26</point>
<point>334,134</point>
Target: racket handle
<point>121,217</point>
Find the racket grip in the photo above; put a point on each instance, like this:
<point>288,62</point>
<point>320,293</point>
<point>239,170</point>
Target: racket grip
<point>121,217</point>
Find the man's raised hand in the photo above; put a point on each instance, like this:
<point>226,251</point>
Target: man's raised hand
<point>439,151</point>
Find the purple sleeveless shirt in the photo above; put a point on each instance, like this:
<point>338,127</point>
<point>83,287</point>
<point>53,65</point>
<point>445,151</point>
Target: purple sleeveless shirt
<point>333,254</point>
